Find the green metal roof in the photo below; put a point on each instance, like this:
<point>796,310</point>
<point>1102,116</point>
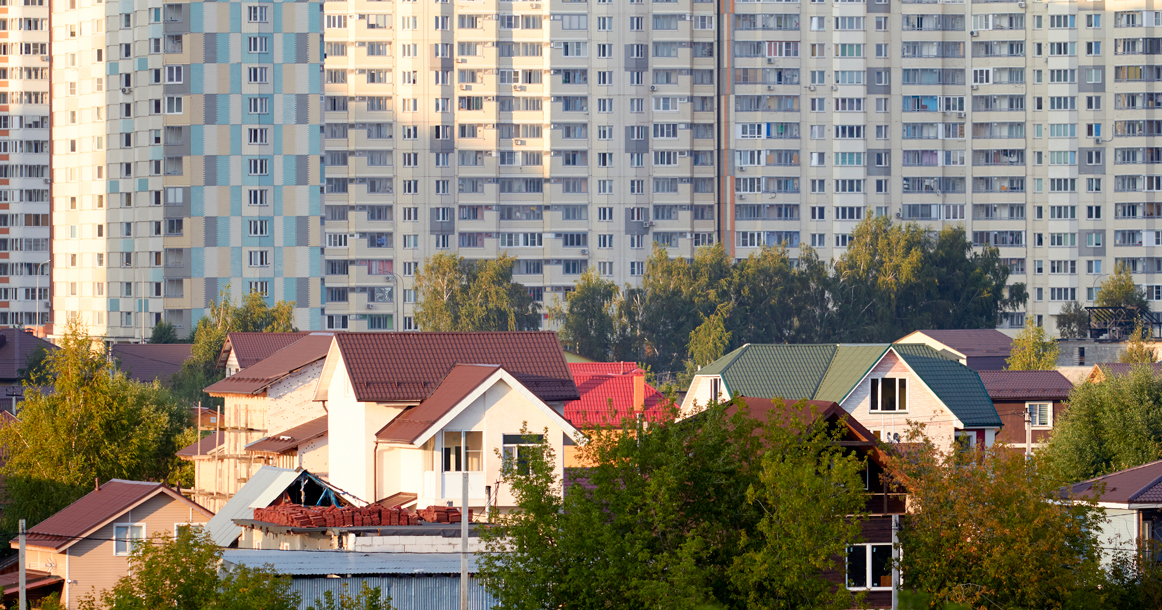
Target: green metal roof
<point>850,364</point>
<point>956,385</point>
<point>830,372</point>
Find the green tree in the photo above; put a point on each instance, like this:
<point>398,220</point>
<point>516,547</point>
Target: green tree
<point>89,422</point>
<point>181,572</point>
<point>1032,350</point>
<point>779,300</point>
<point>1118,290</point>
<point>456,294</point>
<point>589,322</point>
<point>36,365</point>
<point>1073,321</point>
<point>164,332</point>
<point>253,315</point>
<point>981,531</point>
<point>679,514</point>
<point>1140,349</point>
<point>970,286</point>
<point>1109,426</point>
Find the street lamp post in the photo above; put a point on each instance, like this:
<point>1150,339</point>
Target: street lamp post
<point>38,268</point>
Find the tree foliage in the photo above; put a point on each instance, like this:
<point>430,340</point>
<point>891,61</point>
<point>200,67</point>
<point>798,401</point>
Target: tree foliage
<point>164,332</point>
<point>1109,426</point>
<point>456,294</point>
<point>1140,349</point>
<point>182,573</point>
<point>1073,321</point>
<point>1032,349</point>
<point>253,315</point>
<point>90,421</point>
<point>680,514</point>
<point>983,531</point>
<point>893,279</point>
<point>592,328</point>
<point>368,598</point>
<point>1119,290</point>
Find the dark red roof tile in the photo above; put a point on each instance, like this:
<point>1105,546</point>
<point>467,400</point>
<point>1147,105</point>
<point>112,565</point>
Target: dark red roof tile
<point>1026,385</point>
<point>290,439</point>
<point>15,348</point>
<point>249,348</point>
<point>408,367</point>
<point>145,362</point>
<point>305,349</point>
<point>413,422</point>
<point>1138,485</point>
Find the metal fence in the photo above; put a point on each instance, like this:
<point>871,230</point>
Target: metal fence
<point>426,592</point>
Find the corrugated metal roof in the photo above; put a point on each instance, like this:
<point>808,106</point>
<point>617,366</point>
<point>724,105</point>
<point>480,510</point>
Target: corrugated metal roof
<point>145,362</point>
<point>321,563</point>
<point>608,384</point>
<point>290,439</point>
<point>406,367</point>
<point>258,376</point>
<point>1138,485</point>
<point>1026,385</point>
<point>95,509</point>
<point>458,384</point>
<point>250,347</point>
<point>263,488</point>
<point>425,592</point>
<point>849,365</point>
<point>956,385</point>
<point>15,348</point>
<point>774,371</point>
<point>971,342</point>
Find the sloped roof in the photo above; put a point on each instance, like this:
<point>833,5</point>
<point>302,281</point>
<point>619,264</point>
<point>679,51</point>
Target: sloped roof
<point>145,362</point>
<point>203,446</point>
<point>457,385</point>
<point>263,487</point>
<point>15,348</point>
<point>830,372</point>
<point>601,384</point>
<point>1138,485</point>
<point>254,379</point>
<point>1026,385</point>
<point>771,370</point>
<point>291,438</point>
<point>971,342</point>
<point>956,385</point>
<point>95,509</point>
<point>1121,369</point>
<point>850,364</point>
<point>251,347</point>
<point>408,367</point>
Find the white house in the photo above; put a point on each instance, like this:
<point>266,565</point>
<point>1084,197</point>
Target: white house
<point>1132,499</point>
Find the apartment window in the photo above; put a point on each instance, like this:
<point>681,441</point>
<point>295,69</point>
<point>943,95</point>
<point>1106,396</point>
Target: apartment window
<point>173,104</point>
<point>174,74</point>
<point>254,14</point>
<point>258,105</point>
<point>258,197</point>
<point>258,135</point>
<point>127,534</point>
<point>258,44</point>
<point>261,228</point>
<point>259,167</point>
<point>889,394</point>
<point>258,75</point>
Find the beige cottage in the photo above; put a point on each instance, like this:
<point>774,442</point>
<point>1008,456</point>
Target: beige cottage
<point>86,546</point>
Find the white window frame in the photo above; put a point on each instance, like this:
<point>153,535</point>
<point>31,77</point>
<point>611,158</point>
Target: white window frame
<point>1048,414</point>
<point>120,536</point>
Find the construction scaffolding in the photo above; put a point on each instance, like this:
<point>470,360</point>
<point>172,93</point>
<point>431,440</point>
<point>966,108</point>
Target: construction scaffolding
<point>228,466</point>
<point>1118,323</point>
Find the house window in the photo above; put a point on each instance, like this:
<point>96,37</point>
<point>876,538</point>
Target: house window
<point>124,536</point>
<point>869,566</point>
<point>889,394</point>
<point>1041,414</point>
<point>516,447</point>
<point>714,389</point>
<point>453,455</point>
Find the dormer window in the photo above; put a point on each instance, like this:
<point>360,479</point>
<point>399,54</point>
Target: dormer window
<point>889,394</point>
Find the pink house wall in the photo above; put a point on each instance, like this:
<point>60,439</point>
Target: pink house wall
<point>923,406</point>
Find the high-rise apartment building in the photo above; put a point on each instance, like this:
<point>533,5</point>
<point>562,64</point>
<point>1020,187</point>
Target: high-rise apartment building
<point>187,158</point>
<point>579,134</point>
<point>24,164</point>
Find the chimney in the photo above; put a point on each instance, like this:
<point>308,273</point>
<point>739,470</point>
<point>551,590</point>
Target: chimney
<point>639,390</point>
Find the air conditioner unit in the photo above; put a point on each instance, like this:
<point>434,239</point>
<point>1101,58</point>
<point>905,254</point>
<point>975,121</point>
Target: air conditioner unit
<point>464,87</point>
<point>1020,5</point>
<point>770,60</point>
<point>810,87</point>
<point>835,87</point>
<point>975,87</point>
<point>126,90</point>
<point>741,169</point>
<point>584,251</point>
<point>45,58</point>
<point>973,33</point>
<point>518,142</point>
<point>653,88</point>
<point>48,180</point>
<point>463,60</point>
<point>770,87</point>
<point>897,214</point>
<point>742,197</point>
<point>535,5</point>
<point>370,306</point>
<point>647,223</point>
<point>960,115</point>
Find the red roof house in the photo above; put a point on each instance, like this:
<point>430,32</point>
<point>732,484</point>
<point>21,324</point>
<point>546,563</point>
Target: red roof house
<point>609,392</point>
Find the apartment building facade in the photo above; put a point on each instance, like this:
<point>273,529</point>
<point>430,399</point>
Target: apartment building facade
<point>24,165</point>
<point>579,134</point>
<point>187,159</point>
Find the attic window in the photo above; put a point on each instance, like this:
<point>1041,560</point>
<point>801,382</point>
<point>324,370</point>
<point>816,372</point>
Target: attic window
<point>889,394</point>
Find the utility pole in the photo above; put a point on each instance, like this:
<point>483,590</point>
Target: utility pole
<point>23,577</point>
<point>463,522</point>
<point>1029,431</point>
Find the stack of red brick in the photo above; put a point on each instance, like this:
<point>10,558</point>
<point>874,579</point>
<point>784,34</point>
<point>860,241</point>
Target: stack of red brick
<point>442,514</point>
<point>297,515</point>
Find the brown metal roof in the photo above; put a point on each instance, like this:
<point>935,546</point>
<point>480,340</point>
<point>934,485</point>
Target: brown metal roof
<point>249,348</point>
<point>307,348</point>
<point>15,348</point>
<point>973,341</point>
<point>407,367</point>
<point>203,446</point>
<point>145,362</point>
<point>1139,485</point>
<point>290,439</point>
<point>1026,385</point>
<point>1120,369</point>
<point>97,508</point>
<point>459,383</point>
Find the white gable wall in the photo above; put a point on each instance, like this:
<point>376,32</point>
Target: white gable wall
<point>352,426</point>
<point>698,396</point>
<point>923,405</point>
<point>291,399</point>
